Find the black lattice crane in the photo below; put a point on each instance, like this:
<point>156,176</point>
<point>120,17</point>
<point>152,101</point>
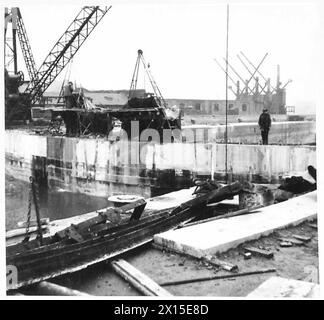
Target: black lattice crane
<point>10,47</point>
<point>65,48</point>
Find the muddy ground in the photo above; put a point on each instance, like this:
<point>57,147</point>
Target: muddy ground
<point>296,262</point>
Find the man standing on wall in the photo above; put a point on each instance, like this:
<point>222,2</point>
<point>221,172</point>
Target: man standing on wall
<point>265,124</point>
<point>68,95</point>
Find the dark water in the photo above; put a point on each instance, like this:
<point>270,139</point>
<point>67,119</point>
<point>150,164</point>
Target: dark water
<point>53,204</point>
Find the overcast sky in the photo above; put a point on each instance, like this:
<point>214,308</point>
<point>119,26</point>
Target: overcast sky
<point>180,40</point>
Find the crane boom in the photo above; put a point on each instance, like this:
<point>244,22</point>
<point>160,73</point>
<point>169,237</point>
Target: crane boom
<point>155,87</point>
<point>65,48</point>
<point>26,49</point>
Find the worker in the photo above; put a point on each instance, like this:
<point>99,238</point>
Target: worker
<point>265,124</point>
<point>68,95</point>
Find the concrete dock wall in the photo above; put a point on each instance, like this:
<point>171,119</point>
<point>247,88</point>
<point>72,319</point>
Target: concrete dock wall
<point>101,167</point>
<point>281,133</point>
<point>253,162</point>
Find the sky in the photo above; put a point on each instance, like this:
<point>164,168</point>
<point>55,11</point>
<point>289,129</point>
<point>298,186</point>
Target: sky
<point>181,39</point>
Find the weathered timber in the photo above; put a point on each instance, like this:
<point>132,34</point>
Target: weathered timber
<point>259,252</point>
<point>285,244</point>
<point>103,216</point>
<point>291,240</point>
<point>21,232</point>
<point>138,212</point>
<point>302,238</point>
<point>226,276</point>
<point>138,280</point>
<point>247,255</point>
<point>312,225</point>
<point>33,223</point>
<point>39,225</point>
<point>97,239</point>
<point>223,216</point>
<point>51,289</point>
<point>219,263</point>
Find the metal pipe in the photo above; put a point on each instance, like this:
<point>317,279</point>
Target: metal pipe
<point>225,71</point>
<point>226,276</point>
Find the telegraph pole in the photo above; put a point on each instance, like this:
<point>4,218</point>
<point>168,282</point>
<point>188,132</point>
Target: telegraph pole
<point>226,105</point>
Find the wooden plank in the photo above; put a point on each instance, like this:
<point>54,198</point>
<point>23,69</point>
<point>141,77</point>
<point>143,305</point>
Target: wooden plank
<point>291,240</point>
<point>52,289</point>
<point>285,244</point>
<point>137,212</point>
<point>22,231</point>
<point>260,252</point>
<point>33,223</point>
<point>138,279</point>
<point>302,238</point>
<point>223,216</point>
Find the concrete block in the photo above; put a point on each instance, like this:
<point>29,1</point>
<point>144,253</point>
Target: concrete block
<point>277,287</point>
<point>223,234</point>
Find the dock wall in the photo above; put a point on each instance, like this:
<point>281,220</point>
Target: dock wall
<point>101,167</point>
<point>281,133</point>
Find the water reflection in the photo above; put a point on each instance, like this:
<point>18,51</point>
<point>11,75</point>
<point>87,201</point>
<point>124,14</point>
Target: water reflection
<point>54,204</point>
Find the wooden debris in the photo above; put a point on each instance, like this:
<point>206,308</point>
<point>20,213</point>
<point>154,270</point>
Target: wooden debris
<point>292,241</point>
<point>21,232</point>
<point>285,244</point>
<point>312,225</point>
<point>103,239</point>
<point>247,255</point>
<point>219,263</point>
<point>102,218</point>
<point>302,238</point>
<point>260,252</point>
<point>226,276</point>
<point>52,289</point>
<point>138,279</point>
<point>223,216</point>
<point>33,223</point>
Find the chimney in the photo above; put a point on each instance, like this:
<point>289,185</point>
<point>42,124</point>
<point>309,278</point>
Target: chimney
<point>246,86</point>
<point>278,76</point>
<point>268,86</point>
<point>256,90</point>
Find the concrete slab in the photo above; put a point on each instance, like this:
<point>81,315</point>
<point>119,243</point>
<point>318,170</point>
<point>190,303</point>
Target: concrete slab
<point>277,287</point>
<point>224,234</point>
